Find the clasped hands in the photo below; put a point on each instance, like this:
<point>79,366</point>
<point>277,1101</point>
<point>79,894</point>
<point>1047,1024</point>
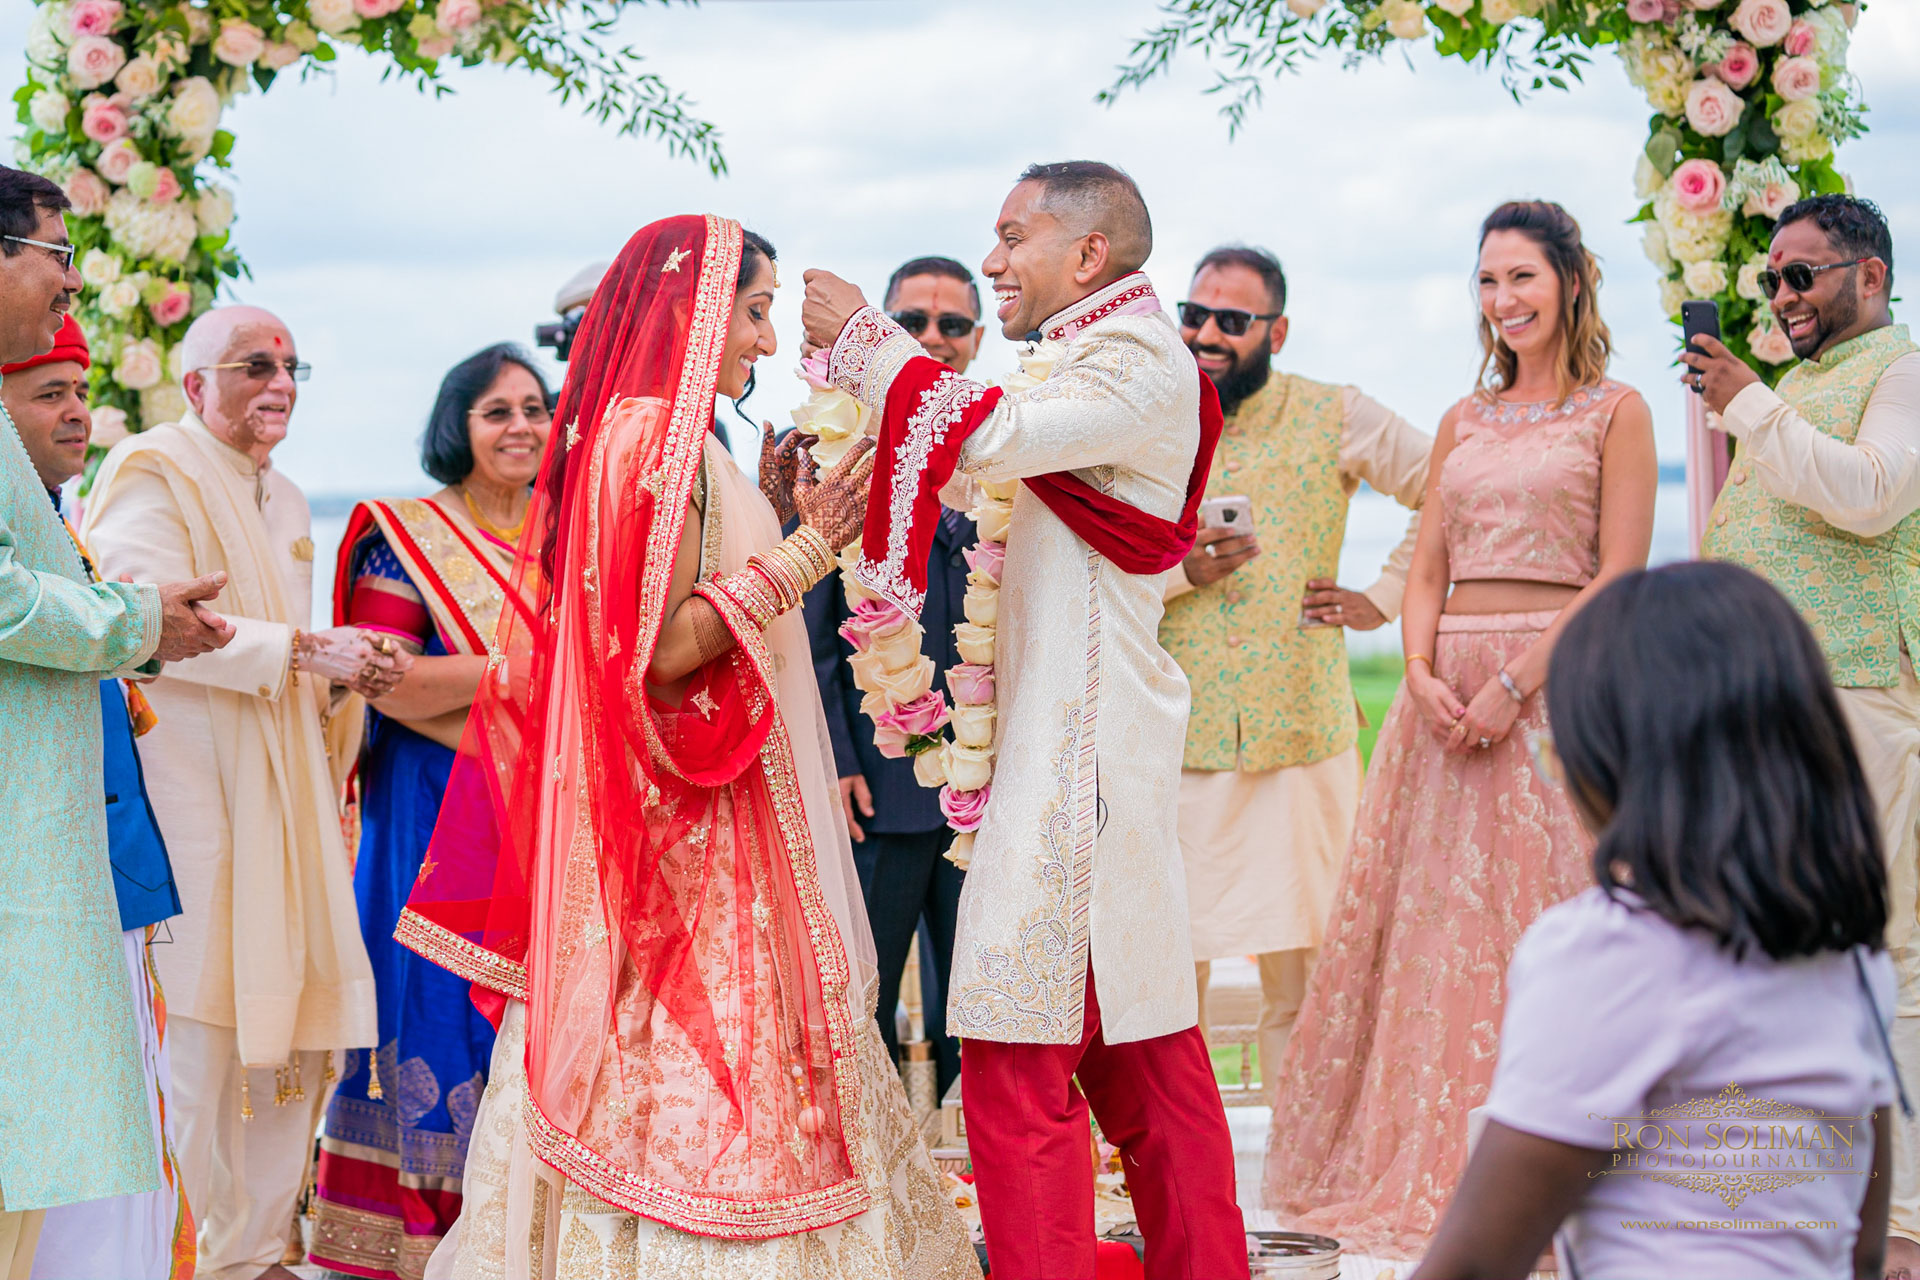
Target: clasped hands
<point>1488,719</point>
<point>368,663</point>
<point>834,503</point>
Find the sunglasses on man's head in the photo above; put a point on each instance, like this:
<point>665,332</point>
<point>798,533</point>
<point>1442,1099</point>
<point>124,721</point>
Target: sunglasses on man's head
<point>1232,323</point>
<point>1800,275</point>
<point>951,323</point>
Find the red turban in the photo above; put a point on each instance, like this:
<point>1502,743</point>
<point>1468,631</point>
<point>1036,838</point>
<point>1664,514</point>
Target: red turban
<point>69,344</point>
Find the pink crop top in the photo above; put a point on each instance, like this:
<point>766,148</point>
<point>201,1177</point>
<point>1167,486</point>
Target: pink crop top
<point>1520,492</point>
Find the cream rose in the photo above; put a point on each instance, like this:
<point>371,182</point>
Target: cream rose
<point>1646,177</point>
<point>119,298</point>
<point>48,111</point>
<point>1712,108</point>
<point>930,768</point>
<point>992,519</point>
<point>1797,119</point>
<point>199,23</point>
<point>279,55</point>
<point>140,364</point>
<point>1705,279</point>
<point>998,490</point>
<point>1796,78</point>
<point>213,210</point>
<point>960,854</point>
<point>1653,242</point>
<point>1747,283</point>
<point>109,427</point>
<point>982,605</point>
<point>139,79</point>
<point>1800,150</point>
<point>1771,200</point>
<point>1499,12</point>
<point>1673,292</point>
<point>99,268</point>
<point>165,402</point>
<point>1406,20</point>
<point>1764,22</point>
<point>194,113</point>
<point>973,725</point>
<point>1458,8</point>
<point>836,418</point>
<point>899,685</point>
<point>975,643</point>
<point>94,60</point>
<point>968,768</point>
<point>1305,8</point>
<point>333,16</point>
<point>897,650</point>
<point>148,230</point>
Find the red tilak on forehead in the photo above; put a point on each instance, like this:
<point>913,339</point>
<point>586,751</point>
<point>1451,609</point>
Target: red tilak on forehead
<point>276,341</point>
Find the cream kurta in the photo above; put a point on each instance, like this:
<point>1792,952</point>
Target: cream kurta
<point>135,525</point>
<point>1078,860</point>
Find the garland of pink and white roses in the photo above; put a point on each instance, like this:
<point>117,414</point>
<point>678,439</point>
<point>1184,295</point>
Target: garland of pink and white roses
<point>910,716</point>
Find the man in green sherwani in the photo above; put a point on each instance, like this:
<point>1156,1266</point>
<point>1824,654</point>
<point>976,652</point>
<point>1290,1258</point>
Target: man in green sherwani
<point>73,1111</point>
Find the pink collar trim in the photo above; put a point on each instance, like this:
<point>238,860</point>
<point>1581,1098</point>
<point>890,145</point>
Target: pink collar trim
<point>1130,295</point>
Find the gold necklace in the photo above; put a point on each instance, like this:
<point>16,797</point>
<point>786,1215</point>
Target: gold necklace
<point>479,518</point>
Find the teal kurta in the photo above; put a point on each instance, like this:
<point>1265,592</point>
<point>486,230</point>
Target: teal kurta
<point>73,1109</point>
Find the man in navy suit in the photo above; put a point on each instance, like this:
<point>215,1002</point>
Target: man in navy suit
<point>899,834</point>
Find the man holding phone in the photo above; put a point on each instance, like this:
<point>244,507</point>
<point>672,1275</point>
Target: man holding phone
<point>1271,782</point>
<point>1824,501</point>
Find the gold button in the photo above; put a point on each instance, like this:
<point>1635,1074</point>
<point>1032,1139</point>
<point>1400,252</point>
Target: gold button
<point>1233,597</point>
<point>265,692</point>
<point>1721,518</point>
<point>1233,466</point>
<point>1234,642</point>
<point>1232,429</point>
<point>1738,477</point>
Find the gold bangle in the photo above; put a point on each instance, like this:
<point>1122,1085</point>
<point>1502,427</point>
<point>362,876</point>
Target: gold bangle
<point>1419,657</point>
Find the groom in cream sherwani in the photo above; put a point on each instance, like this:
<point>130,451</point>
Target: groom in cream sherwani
<point>1072,959</point>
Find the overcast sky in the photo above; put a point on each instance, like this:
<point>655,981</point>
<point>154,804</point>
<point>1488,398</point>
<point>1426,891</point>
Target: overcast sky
<point>398,233</point>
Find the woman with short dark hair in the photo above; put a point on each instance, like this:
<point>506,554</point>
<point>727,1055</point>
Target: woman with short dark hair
<point>432,575</point>
<point>1716,1009</point>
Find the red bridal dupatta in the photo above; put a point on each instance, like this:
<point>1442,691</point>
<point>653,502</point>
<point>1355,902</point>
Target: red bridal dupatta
<point>667,884</point>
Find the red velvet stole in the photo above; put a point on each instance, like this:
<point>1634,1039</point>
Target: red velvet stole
<point>930,412</point>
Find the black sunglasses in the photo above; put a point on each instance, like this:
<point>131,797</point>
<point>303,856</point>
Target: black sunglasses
<point>951,324</point>
<point>1800,275</point>
<point>1232,323</point>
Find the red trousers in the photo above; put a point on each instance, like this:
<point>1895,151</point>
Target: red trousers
<point>1155,1099</point>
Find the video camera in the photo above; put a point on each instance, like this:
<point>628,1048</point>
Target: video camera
<point>571,303</point>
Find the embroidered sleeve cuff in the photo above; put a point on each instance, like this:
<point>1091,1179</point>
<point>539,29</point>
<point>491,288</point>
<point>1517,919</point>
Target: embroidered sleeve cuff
<point>1749,409</point>
<point>869,354</point>
<point>1387,595</point>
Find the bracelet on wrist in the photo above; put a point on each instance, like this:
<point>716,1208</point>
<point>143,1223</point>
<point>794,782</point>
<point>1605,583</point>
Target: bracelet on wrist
<point>1513,690</point>
<point>1419,657</point>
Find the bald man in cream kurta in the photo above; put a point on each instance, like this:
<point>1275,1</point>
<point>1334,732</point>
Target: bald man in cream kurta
<point>266,973</point>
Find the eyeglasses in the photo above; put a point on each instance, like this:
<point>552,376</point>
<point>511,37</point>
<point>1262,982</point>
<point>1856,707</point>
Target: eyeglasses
<point>1232,323</point>
<point>263,369</point>
<point>951,324</point>
<point>64,252</point>
<point>1800,275</point>
<point>502,414</point>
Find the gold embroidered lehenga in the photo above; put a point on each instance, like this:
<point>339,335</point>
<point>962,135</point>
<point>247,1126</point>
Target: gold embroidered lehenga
<point>657,898</point>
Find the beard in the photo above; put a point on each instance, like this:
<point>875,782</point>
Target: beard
<point>1242,378</point>
<point>1837,316</point>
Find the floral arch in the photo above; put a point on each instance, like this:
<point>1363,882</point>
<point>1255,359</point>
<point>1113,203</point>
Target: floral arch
<point>122,106</point>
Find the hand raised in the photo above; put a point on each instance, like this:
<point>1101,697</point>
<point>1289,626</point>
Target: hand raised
<point>780,468</point>
<point>1719,375</point>
<point>836,503</point>
<point>829,304</point>
<point>187,627</point>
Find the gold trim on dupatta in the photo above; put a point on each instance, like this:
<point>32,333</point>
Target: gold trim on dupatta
<point>467,588</point>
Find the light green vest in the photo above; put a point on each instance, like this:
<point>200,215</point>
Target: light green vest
<point>1860,595</point>
<point>1266,694</point>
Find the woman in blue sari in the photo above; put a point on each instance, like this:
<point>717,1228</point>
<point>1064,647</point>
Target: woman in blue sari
<point>433,574</point>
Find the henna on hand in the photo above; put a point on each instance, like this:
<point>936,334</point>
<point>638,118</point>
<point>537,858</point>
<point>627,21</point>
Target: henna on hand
<point>711,638</point>
<point>780,466</point>
<point>836,503</point>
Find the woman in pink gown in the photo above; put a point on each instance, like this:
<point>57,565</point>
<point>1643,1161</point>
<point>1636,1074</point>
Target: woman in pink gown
<point>1541,491</point>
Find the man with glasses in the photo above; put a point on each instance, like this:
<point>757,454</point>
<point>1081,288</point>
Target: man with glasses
<point>74,1122</point>
<point>1255,617</point>
<point>900,835</point>
<point>266,974</point>
<point>1824,501</point>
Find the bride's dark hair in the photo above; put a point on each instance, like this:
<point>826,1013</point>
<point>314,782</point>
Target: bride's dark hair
<point>753,248</point>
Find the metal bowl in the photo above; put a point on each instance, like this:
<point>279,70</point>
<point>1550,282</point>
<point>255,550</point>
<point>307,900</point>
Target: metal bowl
<point>1292,1255</point>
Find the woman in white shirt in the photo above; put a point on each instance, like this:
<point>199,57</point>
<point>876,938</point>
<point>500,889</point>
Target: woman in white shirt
<point>1694,1072</point>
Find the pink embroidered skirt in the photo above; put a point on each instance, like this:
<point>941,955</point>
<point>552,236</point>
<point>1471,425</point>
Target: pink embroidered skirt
<point>1453,857</point>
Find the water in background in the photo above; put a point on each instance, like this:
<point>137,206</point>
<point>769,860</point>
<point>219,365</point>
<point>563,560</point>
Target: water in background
<point>1375,524</point>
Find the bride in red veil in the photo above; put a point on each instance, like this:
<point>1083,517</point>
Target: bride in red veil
<point>642,864</point>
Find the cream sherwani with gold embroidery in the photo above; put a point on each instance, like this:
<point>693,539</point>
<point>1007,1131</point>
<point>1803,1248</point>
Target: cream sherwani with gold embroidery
<point>1078,859</point>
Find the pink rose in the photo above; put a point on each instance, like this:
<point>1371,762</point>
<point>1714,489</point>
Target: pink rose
<point>1769,343</point>
<point>987,558</point>
<point>1796,78</point>
<point>964,810</point>
<point>1764,22</point>
<point>88,193</point>
<point>814,370</point>
<point>1741,66</point>
<point>435,48</point>
<point>172,306</point>
<point>890,743</point>
<point>94,60</point>
<point>239,43</point>
<point>93,17</point>
<point>278,56</point>
<point>1712,108</point>
<point>1647,10</point>
<point>456,15</point>
<point>1699,186</point>
<point>1801,39</point>
<point>117,160</point>
<point>1771,201</point>
<point>103,119</point>
<point>926,714</point>
<point>166,187</point>
<point>871,618</point>
<point>972,685</point>
<point>376,8</point>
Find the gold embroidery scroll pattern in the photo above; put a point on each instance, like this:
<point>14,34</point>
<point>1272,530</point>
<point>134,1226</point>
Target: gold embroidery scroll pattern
<point>460,957</point>
<point>475,585</point>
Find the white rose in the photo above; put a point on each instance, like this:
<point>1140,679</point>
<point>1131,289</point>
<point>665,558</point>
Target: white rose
<point>165,402</point>
<point>140,365</point>
<point>1302,9</point>
<point>49,111</point>
<point>1800,150</point>
<point>1406,20</point>
<point>139,79</point>
<point>992,519</point>
<point>1747,283</point>
<point>1763,22</point>
<point>1673,292</point>
<point>99,268</point>
<point>199,23</point>
<point>148,230</point>
<point>119,298</point>
<point>194,113</point>
<point>45,48</point>
<point>975,644</point>
<point>1798,120</point>
<point>833,415</point>
<point>968,768</point>
<point>998,490</point>
<point>930,768</point>
<point>1458,8</point>
<point>1653,241</point>
<point>1646,177</point>
<point>960,852</point>
<point>982,605</point>
<point>1705,279</point>
<point>109,427</point>
<point>1499,12</point>
<point>973,726</point>
<point>213,210</point>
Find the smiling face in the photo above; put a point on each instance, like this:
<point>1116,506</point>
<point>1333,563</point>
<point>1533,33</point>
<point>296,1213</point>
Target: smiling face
<point>750,335</point>
<point>507,429</point>
<point>248,411</point>
<point>49,405</point>
<point>1039,268</point>
<point>938,296</point>
<point>1520,295</point>
<point>1831,311</point>
<point>1234,364</point>
<point>38,291</point>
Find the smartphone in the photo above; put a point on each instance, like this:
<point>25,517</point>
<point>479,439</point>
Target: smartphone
<point>1233,511</point>
<point>1697,318</point>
